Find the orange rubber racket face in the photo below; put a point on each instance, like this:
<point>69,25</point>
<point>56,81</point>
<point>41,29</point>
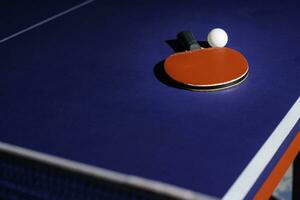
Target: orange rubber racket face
<point>207,69</point>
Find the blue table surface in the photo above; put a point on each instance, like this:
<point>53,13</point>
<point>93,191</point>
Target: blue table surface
<point>16,15</point>
<point>84,87</point>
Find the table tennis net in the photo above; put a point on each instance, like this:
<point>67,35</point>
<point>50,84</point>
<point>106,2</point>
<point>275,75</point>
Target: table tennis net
<point>25,179</point>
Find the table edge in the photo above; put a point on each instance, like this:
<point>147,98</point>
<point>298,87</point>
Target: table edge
<point>243,184</point>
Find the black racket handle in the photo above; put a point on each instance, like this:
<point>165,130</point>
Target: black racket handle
<point>187,39</point>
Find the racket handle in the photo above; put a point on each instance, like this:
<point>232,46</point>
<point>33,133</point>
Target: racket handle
<point>187,39</point>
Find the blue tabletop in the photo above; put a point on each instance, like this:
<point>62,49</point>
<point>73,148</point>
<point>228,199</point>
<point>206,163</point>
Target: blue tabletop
<point>18,15</point>
<point>87,87</point>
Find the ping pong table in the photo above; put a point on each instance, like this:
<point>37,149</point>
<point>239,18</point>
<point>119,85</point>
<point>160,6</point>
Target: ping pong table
<point>82,91</point>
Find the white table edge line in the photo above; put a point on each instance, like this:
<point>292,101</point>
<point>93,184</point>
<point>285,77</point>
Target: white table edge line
<point>242,185</point>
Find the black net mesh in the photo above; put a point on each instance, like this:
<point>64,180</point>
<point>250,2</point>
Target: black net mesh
<point>27,179</point>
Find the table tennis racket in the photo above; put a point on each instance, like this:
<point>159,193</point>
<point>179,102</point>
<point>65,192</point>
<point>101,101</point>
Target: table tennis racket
<point>205,69</point>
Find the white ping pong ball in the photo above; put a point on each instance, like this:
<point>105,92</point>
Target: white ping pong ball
<point>217,38</point>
